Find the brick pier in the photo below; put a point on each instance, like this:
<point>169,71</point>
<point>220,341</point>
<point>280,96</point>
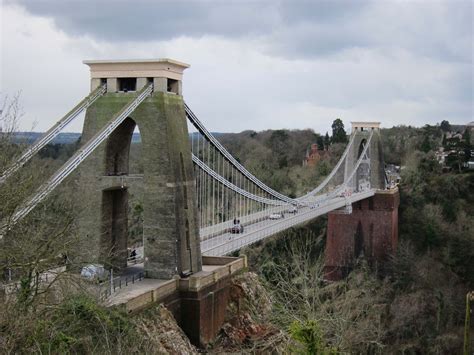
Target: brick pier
<point>370,231</point>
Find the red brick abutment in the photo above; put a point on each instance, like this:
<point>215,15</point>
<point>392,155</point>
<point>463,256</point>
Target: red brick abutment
<point>370,231</point>
<point>198,302</point>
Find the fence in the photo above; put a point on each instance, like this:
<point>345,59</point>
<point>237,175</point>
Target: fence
<point>109,287</point>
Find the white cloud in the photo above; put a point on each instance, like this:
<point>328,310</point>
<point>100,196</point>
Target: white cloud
<point>237,83</point>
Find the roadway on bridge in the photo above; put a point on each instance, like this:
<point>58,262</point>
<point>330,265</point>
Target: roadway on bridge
<point>226,243</point>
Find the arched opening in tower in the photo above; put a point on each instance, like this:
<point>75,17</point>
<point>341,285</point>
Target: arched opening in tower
<point>363,171</point>
<point>118,149</point>
<point>122,226</point>
<point>361,147</point>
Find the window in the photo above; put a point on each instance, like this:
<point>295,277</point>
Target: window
<point>172,86</point>
<point>127,84</point>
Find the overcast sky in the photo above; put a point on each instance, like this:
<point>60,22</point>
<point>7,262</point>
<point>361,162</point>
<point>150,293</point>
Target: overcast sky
<point>254,64</point>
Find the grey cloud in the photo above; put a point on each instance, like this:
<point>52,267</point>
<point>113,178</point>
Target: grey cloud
<point>413,59</point>
<point>146,20</point>
<point>290,29</point>
<point>286,24</point>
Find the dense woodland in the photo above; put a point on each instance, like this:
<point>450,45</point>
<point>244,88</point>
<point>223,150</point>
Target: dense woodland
<point>418,306</point>
<point>415,307</point>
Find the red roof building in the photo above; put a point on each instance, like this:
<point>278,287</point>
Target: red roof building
<point>314,155</point>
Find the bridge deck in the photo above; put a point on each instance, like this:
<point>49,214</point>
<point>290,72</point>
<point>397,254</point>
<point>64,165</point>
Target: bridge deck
<point>226,243</point>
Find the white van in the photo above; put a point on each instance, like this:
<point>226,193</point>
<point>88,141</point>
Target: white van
<point>95,272</point>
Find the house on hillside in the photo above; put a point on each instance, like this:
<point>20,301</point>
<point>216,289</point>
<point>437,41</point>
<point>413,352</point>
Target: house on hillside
<point>441,155</point>
<point>314,155</point>
<point>454,135</point>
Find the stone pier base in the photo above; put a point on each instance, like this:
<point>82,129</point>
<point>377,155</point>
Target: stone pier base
<point>198,302</point>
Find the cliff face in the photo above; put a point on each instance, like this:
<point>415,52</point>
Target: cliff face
<point>247,325</point>
<point>163,335</point>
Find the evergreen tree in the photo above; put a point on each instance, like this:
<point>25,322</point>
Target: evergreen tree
<point>467,137</point>
<point>320,142</point>
<point>445,126</point>
<point>426,145</point>
<point>338,132</point>
<point>327,141</point>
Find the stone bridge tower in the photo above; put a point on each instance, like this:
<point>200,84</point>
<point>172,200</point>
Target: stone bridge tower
<point>371,170</point>
<point>370,230</point>
<point>170,224</point>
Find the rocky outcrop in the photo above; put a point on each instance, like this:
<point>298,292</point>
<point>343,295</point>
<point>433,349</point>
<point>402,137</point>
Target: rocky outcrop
<point>247,325</point>
<point>162,333</point>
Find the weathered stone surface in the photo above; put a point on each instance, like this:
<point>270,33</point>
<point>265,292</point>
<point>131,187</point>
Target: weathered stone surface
<point>375,153</point>
<point>247,326</point>
<point>171,234</point>
<point>162,332</point>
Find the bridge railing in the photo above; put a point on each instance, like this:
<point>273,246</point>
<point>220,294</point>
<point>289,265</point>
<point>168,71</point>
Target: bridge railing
<point>222,246</point>
<point>220,228</point>
<point>109,287</point>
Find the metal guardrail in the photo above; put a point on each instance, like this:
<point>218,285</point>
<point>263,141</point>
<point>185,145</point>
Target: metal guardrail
<point>222,245</point>
<point>135,260</point>
<point>108,288</point>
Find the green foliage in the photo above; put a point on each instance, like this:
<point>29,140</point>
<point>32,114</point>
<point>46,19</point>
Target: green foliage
<point>320,142</point>
<point>276,157</point>
<point>425,145</point>
<point>26,291</point>
<point>310,337</point>
<point>445,126</point>
<point>338,132</point>
<point>436,213</point>
<point>327,140</point>
<point>77,325</point>
<point>467,138</point>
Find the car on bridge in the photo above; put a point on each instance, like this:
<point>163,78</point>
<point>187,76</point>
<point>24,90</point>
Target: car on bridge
<point>293,209</point>
<point>276,216</point>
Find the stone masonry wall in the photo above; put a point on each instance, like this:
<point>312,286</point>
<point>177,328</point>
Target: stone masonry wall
<point>171,235</point>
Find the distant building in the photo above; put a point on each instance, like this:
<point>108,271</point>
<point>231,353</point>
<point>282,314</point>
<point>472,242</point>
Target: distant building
<point>454,135</point>
<point>469,165</point>
<point>314,155</point>
<point>392,172</point>
<point>441,155</point>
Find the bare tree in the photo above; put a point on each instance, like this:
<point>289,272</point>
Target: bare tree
<point>42,241</point>
<point>348,318</point>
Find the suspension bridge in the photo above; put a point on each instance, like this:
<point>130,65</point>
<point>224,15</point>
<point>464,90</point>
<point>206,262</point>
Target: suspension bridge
<point>198,199</point>
<point>199,203</point>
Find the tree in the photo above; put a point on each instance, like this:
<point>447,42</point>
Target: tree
<point>445,126</point>
<point>338,132</point>
<point>40,243</point>
<point>320,142</point>
<point>279,145</point>
<point>426,145</point>
<point>311,338</point>
<point>327,141</point>
<point>467,137</point>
